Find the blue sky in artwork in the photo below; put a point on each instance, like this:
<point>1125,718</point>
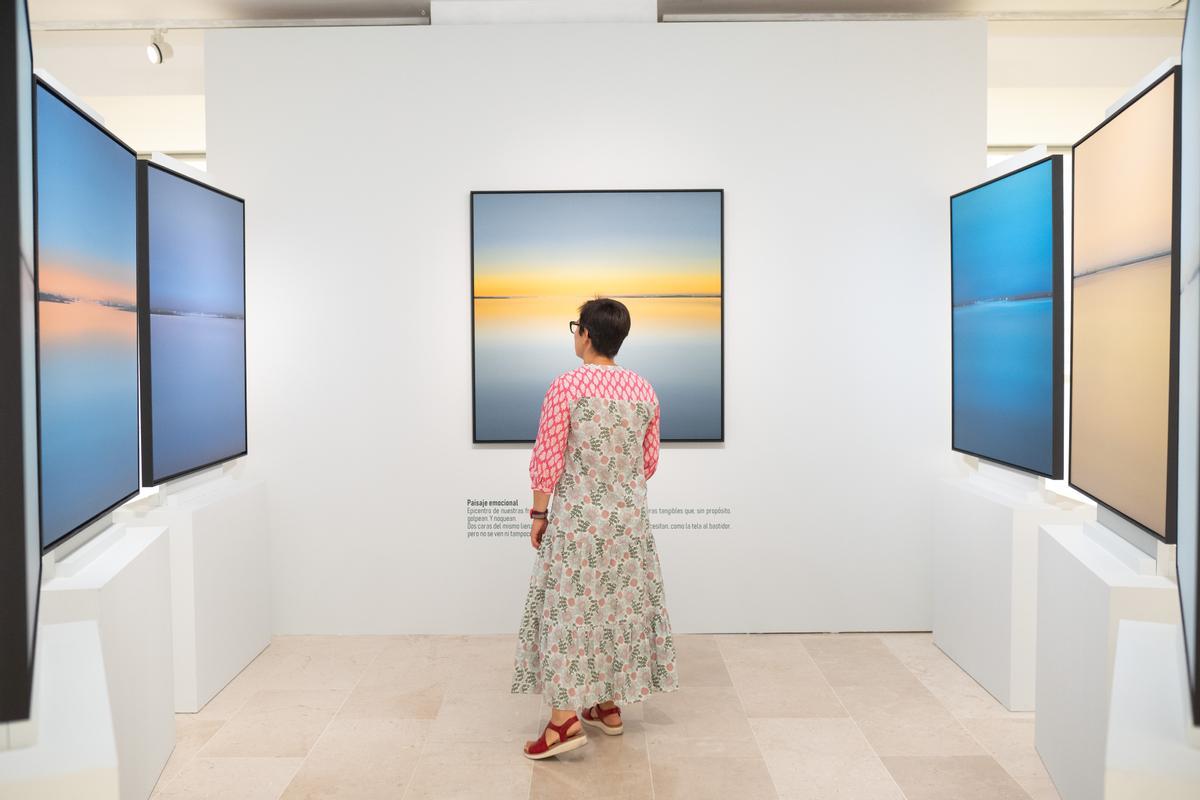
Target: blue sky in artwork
<point>196,247</point>
<point>1003,237</point>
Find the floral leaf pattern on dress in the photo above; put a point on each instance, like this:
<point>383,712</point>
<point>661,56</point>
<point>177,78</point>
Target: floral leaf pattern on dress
<point>595,625</point>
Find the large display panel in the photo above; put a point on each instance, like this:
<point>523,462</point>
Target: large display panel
<point>1187,550</point>
<point>1006,274</point>
<point>20,544</point>
<point>1125,293</point>
<point>191,259</point>
<point>87,334</point>
<point>537,256</point>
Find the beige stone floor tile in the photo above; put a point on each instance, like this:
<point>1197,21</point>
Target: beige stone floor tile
<point>410,672</point>
<point>858,660</point>
<point>467,716</point>
<point>907,721</point>
<point>953,687</point>
<point>361,759</point>
<point>822,759</point>
<point>419,703</point>
<point>606,767</point>
<point>315,662</point>
<point>276,723</point>
<point>760,648</point>
<point>191,734</point>
<point>1010,742</point>
<point>231,779</point>
<point>700,662</point>
<point>1040,789</point>
<point>760,664</point>
<point>784,685</point>
<point>953,778</point>
<point>700,775</point>
<point>490,770</point>
<point>676,748</point>
<point>234,694</point>
<point>696,713</point>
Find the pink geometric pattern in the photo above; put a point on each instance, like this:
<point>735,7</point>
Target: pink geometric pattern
<point>590,380</point>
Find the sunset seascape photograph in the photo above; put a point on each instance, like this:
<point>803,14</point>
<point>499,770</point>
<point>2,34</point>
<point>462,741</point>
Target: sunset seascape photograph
<point>537,256</point>
<point>87,305</point>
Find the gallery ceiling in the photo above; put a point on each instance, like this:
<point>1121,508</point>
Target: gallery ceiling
<point>100,14</point>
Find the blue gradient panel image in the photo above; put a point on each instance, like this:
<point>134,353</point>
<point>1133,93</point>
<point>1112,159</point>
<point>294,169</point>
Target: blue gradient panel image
<point>87,325</point>
<point>194,368</point>
<point>537,256</point>
<point>1006,269</point>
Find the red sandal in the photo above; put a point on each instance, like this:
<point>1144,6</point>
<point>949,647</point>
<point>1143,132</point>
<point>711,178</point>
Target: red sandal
<point>595,716</point>
<point>541,749</point>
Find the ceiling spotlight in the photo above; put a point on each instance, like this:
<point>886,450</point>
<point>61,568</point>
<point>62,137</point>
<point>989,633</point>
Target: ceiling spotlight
<point>158,50</point>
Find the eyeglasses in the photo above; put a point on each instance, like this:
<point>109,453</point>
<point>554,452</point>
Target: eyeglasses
<point>574,326</point>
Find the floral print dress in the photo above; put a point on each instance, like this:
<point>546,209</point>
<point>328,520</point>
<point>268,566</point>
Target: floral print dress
<point>595,625</point>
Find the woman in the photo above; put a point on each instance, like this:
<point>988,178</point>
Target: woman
<point>595,630</point>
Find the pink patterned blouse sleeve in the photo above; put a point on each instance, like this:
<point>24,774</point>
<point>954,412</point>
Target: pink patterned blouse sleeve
<point>548,460</point>
<point>650,443</point>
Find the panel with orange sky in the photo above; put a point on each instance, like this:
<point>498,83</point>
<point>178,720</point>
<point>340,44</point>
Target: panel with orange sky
<point>87,326</point>
<point>537,256</point>
<point>1121,321</point>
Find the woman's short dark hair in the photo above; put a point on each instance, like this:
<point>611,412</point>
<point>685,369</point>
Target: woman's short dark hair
<point>607,323</point>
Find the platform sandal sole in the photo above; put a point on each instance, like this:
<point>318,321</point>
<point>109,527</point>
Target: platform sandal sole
<point>599,723</point>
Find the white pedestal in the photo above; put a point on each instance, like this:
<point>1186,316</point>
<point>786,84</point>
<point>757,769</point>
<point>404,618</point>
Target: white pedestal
<point>1088,581</point>
<point>220,596</point>
<point>985,579</point>
<point>121,580</point>
<point>75,754</point>
<point>1150,749</point>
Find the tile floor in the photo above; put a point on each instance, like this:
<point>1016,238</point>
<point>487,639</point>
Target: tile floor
<point>849,716</point>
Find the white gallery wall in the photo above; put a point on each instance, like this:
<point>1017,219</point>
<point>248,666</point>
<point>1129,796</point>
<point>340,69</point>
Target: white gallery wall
<point>837,145</point>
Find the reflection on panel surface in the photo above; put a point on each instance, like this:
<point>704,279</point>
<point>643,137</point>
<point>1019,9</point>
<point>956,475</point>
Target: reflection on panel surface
<point>1006,289</point>
<point>195,319</point>
<point>1187,544</point>
<point>537,256</point>
<point>87,293</point>
<point>1121,399</point>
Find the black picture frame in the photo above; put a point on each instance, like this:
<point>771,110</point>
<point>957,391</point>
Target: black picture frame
<point>1172,485</point>
<point>145,383</point>
<point>1058,358</point>
<point>20,531</point>
<point>720,438</point>
<point>75,531</point>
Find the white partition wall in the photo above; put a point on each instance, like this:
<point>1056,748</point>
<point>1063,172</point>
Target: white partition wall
<point>220,603</point>
<point>1089,581</point>
<point>837,145</point>
<point>121,580</point>
<point>986,580</point>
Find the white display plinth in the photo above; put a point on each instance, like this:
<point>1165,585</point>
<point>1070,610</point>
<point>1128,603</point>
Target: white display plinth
<point>1150,734</point>
<point>122,581</point>
<point>220,596</point>
<point>1088,581</point>
<point>75,754</point>
<point>985,579</point>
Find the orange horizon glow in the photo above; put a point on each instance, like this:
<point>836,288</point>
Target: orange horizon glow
<point>593,282</point>
<point>56,277</point>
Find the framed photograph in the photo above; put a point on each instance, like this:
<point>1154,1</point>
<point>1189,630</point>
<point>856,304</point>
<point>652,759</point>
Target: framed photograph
<point>537,256</point>
<point>1125,310</point>
<point>1006,274</point>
